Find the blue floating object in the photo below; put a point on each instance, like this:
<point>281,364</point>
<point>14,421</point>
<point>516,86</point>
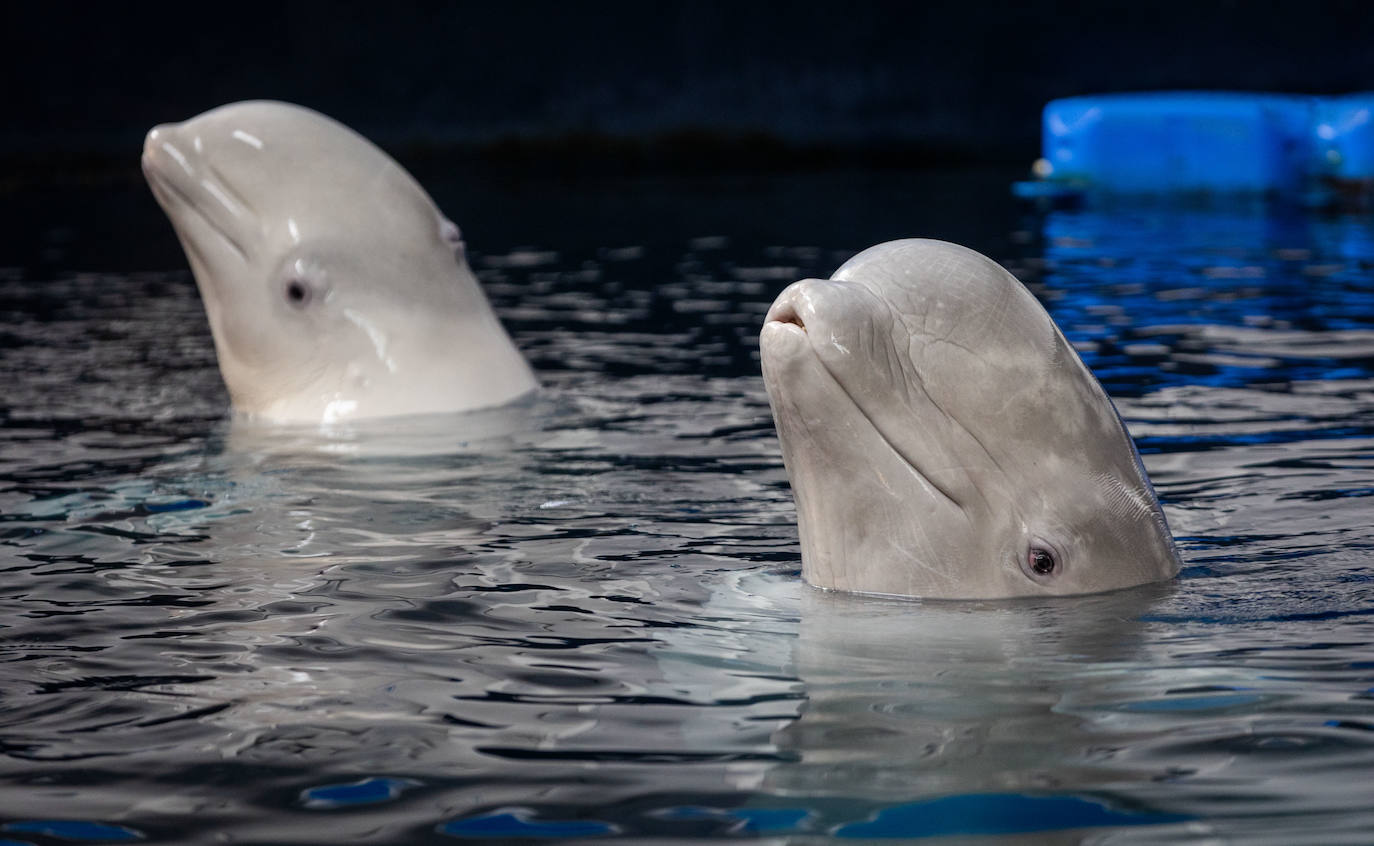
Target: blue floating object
<point>1228,143</point>
<point>1345,136</point>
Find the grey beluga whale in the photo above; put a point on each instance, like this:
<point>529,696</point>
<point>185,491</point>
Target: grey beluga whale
<point>334,287</point>
<point>944,440</point>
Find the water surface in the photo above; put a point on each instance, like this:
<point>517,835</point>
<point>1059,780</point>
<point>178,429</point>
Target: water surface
<point>580,617</point>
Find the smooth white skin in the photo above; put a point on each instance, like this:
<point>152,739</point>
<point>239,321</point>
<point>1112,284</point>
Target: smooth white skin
<point>936,427</point>
<point>270,198</point>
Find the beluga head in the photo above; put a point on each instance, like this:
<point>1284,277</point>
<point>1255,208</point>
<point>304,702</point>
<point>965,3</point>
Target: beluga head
<point>944,440</point>
<point>334,287</point>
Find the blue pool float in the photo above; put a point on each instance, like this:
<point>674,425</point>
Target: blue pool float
<point>1200,142</point>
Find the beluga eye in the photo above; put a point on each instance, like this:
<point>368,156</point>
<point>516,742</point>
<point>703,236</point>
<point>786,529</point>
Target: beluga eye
<point>1041,561</point>
<point>298,292</point>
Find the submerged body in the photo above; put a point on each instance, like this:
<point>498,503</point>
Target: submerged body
<point>334,287</point>
<point>944,440</point>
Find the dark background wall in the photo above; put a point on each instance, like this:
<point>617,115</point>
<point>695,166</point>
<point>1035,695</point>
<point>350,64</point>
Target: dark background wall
<point>575,124</point>
<point>937,79</point>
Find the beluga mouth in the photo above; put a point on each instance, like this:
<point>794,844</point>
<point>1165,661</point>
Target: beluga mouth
<point>783,313</point>
<point>825,359</point>
<point>193,195</point>
<point>333,286</point>
<point>943,439</point>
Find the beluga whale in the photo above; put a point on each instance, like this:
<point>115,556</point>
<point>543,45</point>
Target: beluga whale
<point>943,440</point>
<point>334,287</point>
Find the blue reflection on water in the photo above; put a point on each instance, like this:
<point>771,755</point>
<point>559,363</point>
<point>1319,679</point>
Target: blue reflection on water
<point>772,820</point>
<point>80,830</point>
<point>366,792</point>
<point>178,505</point>
<point>996,813</point>
<point>1142,292</point>
<point>1194,703</point>
<point>509,824</point>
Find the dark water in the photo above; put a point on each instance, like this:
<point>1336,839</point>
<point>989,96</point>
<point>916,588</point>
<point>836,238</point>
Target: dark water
<point>581,618</point>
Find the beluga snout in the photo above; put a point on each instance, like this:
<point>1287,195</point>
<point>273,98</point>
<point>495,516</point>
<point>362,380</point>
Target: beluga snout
<point>334,288</point>
<point>944,440</point>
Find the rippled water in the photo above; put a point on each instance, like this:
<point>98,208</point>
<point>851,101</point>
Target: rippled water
<point>581,618</point>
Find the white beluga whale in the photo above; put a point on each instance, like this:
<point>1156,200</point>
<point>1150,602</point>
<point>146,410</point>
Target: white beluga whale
<point>944,440</point>
<point>334,287</point>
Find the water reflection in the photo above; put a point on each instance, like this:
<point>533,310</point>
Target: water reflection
<point>1222,297</point>
<point>950,698</point>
